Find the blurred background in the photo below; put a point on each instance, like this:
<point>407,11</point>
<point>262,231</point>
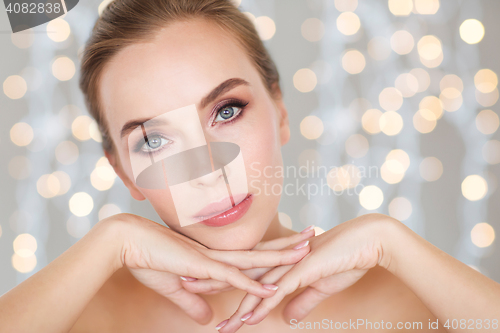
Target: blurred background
<point>393,109</point>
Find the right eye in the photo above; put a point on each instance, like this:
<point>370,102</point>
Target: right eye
<point>155,142</point>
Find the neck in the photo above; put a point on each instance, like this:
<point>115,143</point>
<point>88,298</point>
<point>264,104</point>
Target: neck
<point>276,230</point>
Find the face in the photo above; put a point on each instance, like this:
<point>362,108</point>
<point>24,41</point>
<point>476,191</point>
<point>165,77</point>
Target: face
<point>198,78</point>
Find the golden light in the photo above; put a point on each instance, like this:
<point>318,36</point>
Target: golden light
<point>67,152</point>
<point>401,7</point>
<point>94,132</point>
<point>236,3</point>
<point>103,176</point>
<point>58,30</point>
<point>81,127</point>
<point>346,5</point>
<point>371,121</point>
<point>491,152</point>
<point>485,80</point>
<point>250,16</point>
<point>23,39</point>
<point>103,6</point>
<point>15,87</point>
<point>400,208</point>
<point>390,99</point>
<point>21,134</point>
<point>424,121</point>
<point>48,186</point>
<point>25,245</point>
<point>429,47</point>
<point>407,84</point>
<point>401,156</point>
<point>285,220</point>
<point>108,210</point>
<point>451,81</point>
<point>379,48</point>
<point>371,197</point>
<point>451,98</point>
<point>471,31</point>
<point>487,122</point>
<point>474,187</point>
<point>347,176</point>
<point>78,226</point>
<point>431,169</point>
<point>423,78</point>
<point>488,99</point>
<point>265,27</point>
<point>353,61</point>
<point>22,264</point>
<point>19,167</point>
<point>391,123</point>
<point>63,68</point>
<point>392,171</point>
<point>318,231</point>
<point>482,235</point>
<point>312,29</point>
<point>81,204</point>
<point>64,182</point>
<point>433,104</point>
<point>348,23</point>
<point>305,80</point>
<point>356,146</point>
<point>402,42</point>
<point>432,63</point>
<point>311,127</point>
<point>427,7</point>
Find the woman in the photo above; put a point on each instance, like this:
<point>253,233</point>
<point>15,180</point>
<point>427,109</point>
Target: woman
<point>238,269</point>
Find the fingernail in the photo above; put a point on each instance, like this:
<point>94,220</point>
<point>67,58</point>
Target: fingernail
<point>247,316</point>
<point>300,245</point>
<point>270,286</point>
<point>187,278</point>
<point>309,228</point>
<point>221,325</point>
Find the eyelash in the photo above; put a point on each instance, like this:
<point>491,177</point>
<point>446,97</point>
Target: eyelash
<point>217,109</point>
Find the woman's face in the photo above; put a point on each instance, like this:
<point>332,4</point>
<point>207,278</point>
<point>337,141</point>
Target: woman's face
<point>184,68</point>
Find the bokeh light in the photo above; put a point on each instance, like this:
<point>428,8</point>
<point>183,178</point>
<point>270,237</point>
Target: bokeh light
<point>285,220</point>
<point>21,134</point>
<point>430,51</point>
<point>305,80</point>
<point>311,127</point>
<point>371,197</point>
<point>25,245</point>
<point>427,7</point>
<point>371,121</point>
<point>401,7</point>
<point>266,28</point>
<point>401,156</point>
<point>81,127</point>
<point>81,204</point>
<point>402,42</point>
<point>48,186</point>
<point>433,104</point>
<point>103,176</point>
<point>390,99</point>
<point>14,87</point>
<point>108,210</point>
<point>58,30</point>
<point>424,121</point>
<point>348,23</point>
<point>431,168</point>
<point>482,234</point>
<point>356,146</point>
<point>346,5</point>
<point>400,208</point>
<point>407,84</point>
<point>347,176</point>
<point>63,68</point>
<point>103,6</point>
<point>474,187</point>
<point>67,152</point>
<point>353,61</point>
<point>488,99</point>
<point>313,29</point>
<point>392,171</point>
<point>78,226</point>
<point>23,39</point>
<point>485,80</point>
<point>471,31</point>
<point>23,264</point>
<point>487,121</point>
<point>391,123</point>
<point>423,78</point>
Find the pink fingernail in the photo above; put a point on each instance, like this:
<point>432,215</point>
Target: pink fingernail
<point>221,325</point>
<point>247,316</point>
<point>301,245</point>
<point>187,278</point>
<point>270,286</point>
<point>309,228</point>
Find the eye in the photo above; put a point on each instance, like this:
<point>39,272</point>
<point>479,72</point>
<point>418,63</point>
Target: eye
<point>226,113</point>
<point>154,143</point>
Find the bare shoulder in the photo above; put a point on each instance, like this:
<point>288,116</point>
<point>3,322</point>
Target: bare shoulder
<point>378,296</point>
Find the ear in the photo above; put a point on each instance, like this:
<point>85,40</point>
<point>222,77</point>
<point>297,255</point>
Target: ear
<point>283,116</point>
<point>134,191</point>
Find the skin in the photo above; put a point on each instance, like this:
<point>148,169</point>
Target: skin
<point>125,274</point>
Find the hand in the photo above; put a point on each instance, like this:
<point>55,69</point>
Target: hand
<point>209,287</point>
<point>338,258</point>
<point>158,256</point>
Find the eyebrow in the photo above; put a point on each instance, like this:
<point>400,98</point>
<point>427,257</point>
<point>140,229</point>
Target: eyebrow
<point>216,92</point>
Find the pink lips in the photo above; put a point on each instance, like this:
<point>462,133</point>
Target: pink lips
<point>222,212</point>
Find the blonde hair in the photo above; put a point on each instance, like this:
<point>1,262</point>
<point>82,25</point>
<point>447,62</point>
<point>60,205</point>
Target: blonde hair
<point>125,22</point>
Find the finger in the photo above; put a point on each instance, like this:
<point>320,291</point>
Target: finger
<point>205,286</point>
<point>283,242</point>
<point>253,259</point>
<point>233,276</point>
<point>194,306</point>
<point>301,305</point>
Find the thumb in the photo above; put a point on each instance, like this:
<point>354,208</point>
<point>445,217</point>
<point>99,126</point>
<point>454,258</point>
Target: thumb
<point>302,304</point>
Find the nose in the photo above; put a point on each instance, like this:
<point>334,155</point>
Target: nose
<point>213,179</point>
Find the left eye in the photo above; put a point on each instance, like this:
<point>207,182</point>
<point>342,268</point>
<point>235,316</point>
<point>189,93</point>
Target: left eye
<point>226,113</point>
<point>154,143</point>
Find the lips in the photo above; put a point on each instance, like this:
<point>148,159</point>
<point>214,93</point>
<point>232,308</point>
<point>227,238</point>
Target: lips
<point>222,213</point>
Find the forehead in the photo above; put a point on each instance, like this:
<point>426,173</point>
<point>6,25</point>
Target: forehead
<point>184,62</point>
